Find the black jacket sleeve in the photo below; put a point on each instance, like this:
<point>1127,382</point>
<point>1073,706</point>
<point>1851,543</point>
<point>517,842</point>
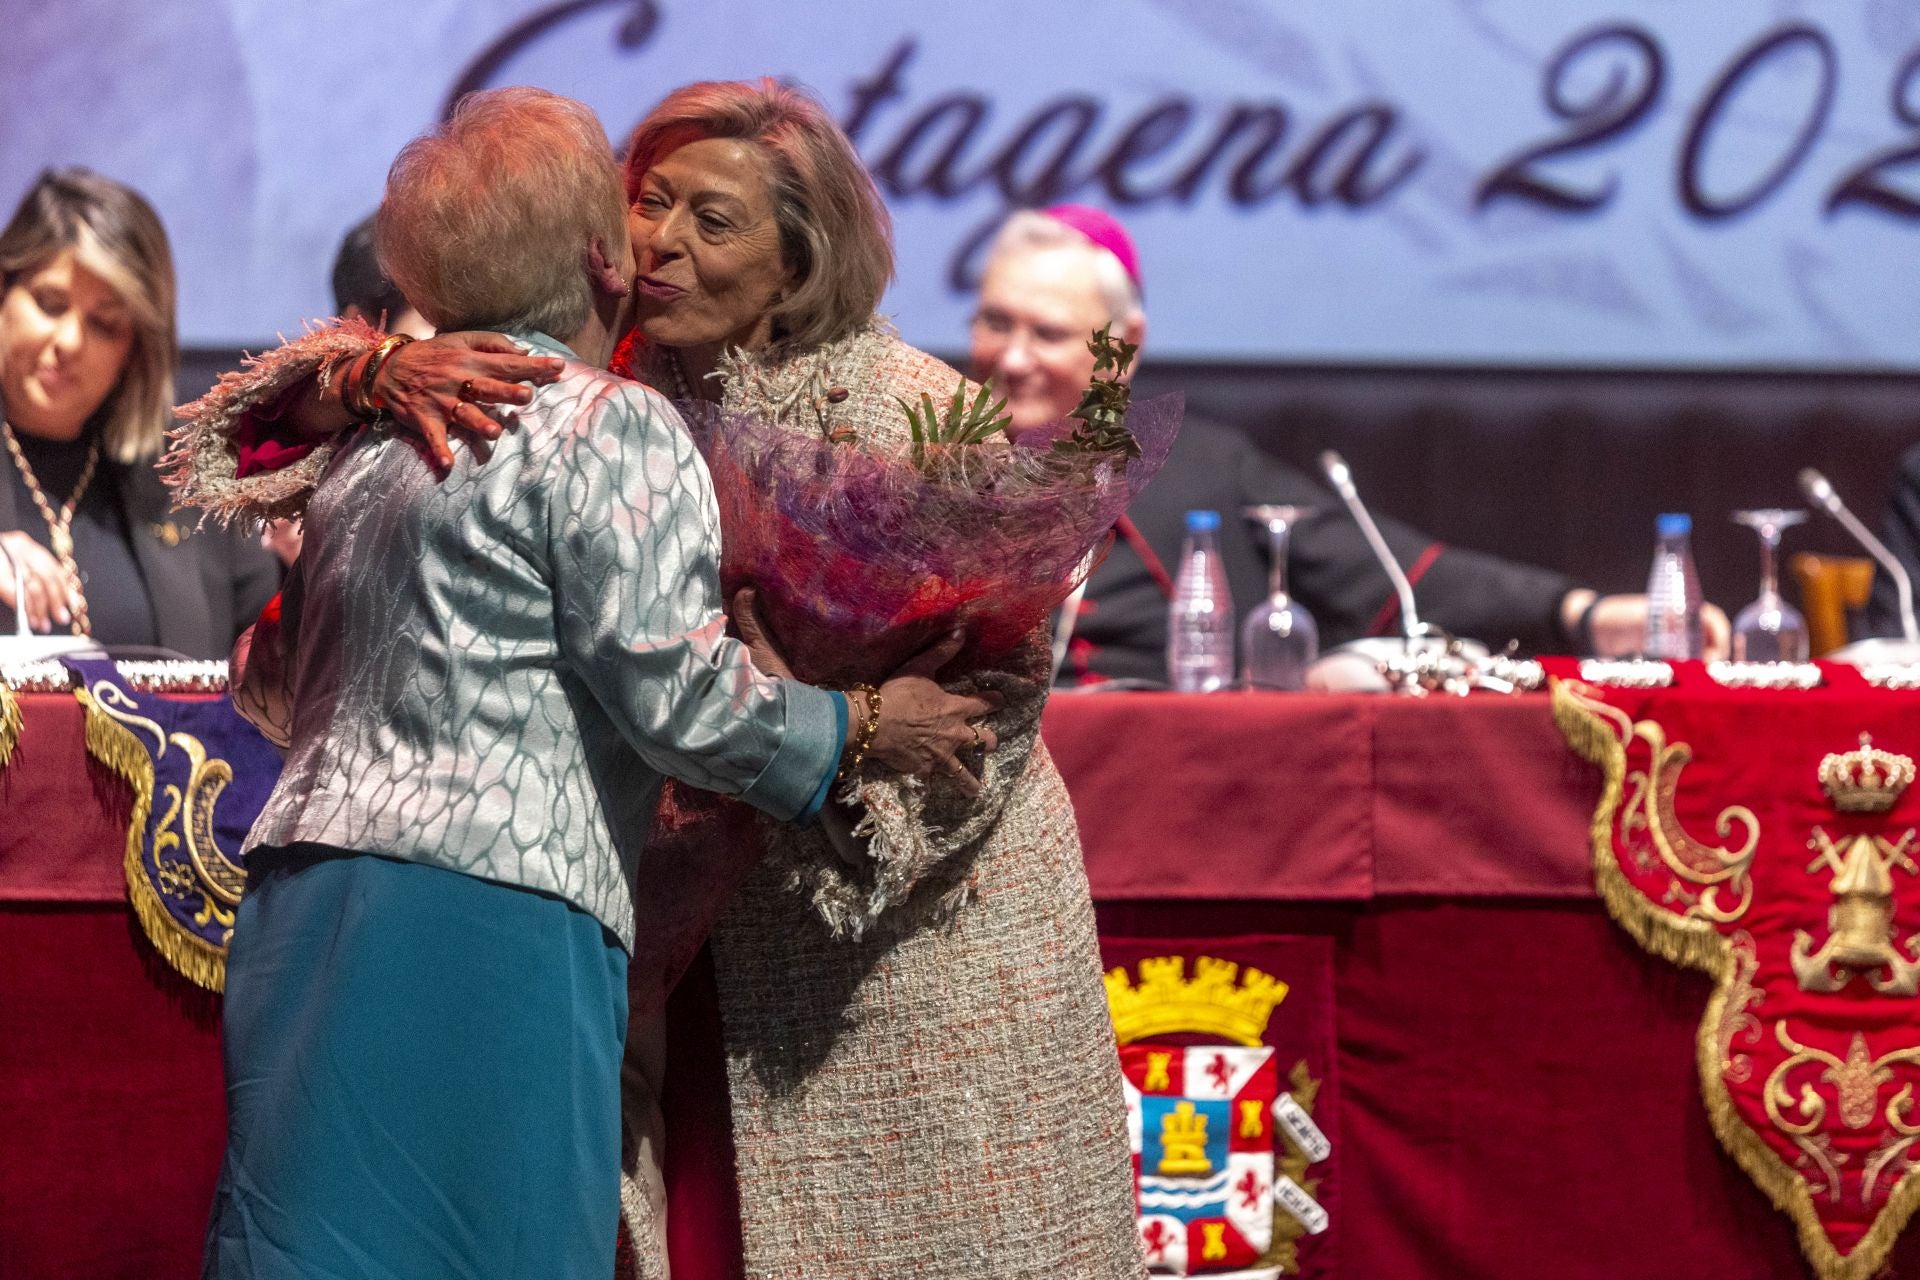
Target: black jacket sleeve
<point>1900,530</point>
<point>1122,630</point>
<point>207,584</point>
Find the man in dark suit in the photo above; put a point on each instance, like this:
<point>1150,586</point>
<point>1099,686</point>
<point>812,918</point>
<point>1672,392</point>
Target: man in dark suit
<point>1051,278</point>
<point>1900,530</point>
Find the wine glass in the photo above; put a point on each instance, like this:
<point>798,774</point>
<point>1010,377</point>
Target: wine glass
<point>1769,629</point>
<point>1278,640</point>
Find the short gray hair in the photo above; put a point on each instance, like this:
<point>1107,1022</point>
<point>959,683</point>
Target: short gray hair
<point>1030,231</point>
<point>835,235</point>
<point>487,219</point>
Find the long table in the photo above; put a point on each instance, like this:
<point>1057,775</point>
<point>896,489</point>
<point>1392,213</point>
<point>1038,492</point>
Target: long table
<point>1516,1082</point>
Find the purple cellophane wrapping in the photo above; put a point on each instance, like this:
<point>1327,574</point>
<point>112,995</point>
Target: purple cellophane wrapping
<point>860,558</point>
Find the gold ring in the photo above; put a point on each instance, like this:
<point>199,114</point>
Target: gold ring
<point>976,736</point>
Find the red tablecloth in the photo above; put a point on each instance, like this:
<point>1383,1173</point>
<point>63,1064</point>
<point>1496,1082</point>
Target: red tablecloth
<point>1517,1087</point>
<point>112,1110</point>
<point>1322,799</point>
<point>1283,799</point>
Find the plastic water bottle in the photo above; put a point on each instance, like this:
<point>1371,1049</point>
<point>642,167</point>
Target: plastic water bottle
<point>1673,593</point>
<point>1200,621</point>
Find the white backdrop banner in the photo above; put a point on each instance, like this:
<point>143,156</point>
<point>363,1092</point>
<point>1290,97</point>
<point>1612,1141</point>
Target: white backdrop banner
<point>1506,182</point>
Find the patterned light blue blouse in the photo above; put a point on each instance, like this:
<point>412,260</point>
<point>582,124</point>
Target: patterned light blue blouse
<point>494,671</point>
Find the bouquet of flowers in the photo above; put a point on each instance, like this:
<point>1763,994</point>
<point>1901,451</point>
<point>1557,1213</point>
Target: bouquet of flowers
<point>863,552</point>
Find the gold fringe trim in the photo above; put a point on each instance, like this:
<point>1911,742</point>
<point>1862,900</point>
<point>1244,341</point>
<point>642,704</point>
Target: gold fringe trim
<point>10,724</point>
<point>113,745</point>
<point>1594,731</point>
<point>1783,1184</point>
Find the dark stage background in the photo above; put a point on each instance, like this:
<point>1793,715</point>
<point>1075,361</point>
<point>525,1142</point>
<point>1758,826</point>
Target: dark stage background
<point>1568,468</point>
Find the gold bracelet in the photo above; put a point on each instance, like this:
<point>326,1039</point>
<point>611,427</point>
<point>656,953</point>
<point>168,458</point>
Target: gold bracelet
<point>352,384</point>
<point>856,752</point>
<point>368,395</point>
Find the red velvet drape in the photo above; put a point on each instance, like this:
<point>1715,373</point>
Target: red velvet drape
<point>1518,1098</point>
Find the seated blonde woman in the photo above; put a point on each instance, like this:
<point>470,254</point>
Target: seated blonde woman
<point>481,682</point>
<point>87,354</point>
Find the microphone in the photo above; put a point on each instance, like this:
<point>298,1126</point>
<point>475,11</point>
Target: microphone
<point>1341,477</point>
<point>1817,489</point>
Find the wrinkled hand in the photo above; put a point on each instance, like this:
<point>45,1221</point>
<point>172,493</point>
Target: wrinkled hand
<point>1619,628</point>
<point>926,730</point>
<point>765,653</point>
<point>257,678</point>
<point>923,729</point>
<point>420,386</point>
<point>50,598</point>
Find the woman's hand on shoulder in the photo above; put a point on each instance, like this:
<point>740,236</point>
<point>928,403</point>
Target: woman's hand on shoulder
<point>437,385</point>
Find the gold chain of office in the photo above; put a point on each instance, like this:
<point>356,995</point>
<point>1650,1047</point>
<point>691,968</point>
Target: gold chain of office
<point>59,523</point>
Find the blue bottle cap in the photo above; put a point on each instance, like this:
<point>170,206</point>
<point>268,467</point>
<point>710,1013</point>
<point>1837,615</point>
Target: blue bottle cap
<point>1202,521</point>
<point>1672,524</point>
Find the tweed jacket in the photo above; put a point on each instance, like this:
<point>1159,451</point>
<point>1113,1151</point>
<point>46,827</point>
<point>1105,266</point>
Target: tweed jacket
<point>920,1059</point>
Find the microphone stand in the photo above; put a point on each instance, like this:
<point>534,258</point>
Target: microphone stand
<point>1340,476</point>
<point>1861,652</point>
<point>1422,659</point>
<point>24,645</point>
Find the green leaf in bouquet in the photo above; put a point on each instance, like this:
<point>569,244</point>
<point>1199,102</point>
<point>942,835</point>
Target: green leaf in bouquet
<point>1111,354</point>
<point>1103,406</point>
<point>960,423</point>
<point>986,419</point>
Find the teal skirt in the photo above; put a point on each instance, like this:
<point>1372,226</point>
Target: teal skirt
<point>423,1078</point>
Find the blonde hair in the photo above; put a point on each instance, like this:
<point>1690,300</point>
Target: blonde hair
<point>835,235</point>
<point>487,219</point>
<point>114,233</point>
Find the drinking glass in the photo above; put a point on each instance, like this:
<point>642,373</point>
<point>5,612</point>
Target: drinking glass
<point>1278,640</point>
<point>1769,629</point>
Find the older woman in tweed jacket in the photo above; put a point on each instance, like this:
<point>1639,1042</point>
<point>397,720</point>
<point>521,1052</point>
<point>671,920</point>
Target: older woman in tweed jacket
<point>921,1067</point>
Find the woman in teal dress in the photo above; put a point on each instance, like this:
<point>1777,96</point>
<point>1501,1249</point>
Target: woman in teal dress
<point>481,681</point>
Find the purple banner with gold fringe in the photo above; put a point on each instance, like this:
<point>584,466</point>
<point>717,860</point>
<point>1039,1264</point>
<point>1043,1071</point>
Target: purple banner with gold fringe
<point>199,775</point>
